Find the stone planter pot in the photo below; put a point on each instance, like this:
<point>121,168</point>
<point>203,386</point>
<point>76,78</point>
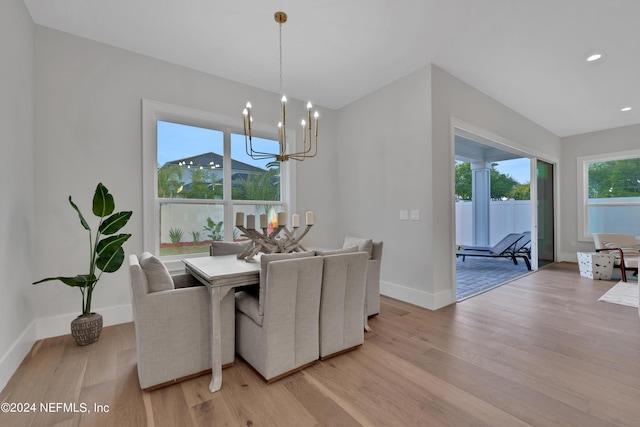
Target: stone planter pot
<point>86,329</point>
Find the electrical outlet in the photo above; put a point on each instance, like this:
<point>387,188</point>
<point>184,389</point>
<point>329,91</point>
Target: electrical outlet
<point>414,214</point>
<point>404,215</point>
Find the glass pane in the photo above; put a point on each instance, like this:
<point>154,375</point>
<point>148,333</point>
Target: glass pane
<point>254,179</point>
<point>271,212</point>
<point>189,228</point>
<point>190,161</point>
<point>546,244</point>
<point>614,219</point>
<point>614,178</point>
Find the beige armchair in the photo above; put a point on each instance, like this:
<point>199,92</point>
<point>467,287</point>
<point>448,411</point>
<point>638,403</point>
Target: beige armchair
<point>277,328</point>
<point>342,302</point>
<point>171,315</point>
<point>624,249</point>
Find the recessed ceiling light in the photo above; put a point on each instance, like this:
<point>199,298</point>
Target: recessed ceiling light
<point>625,109</point>
<point>594,57</point>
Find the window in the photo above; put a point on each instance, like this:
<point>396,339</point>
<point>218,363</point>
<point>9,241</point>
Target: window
<point>197,175</point>
<point>609,194</point>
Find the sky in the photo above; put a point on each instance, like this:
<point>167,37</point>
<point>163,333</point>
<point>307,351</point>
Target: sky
<point>177,141</point>
<point>518,169</point>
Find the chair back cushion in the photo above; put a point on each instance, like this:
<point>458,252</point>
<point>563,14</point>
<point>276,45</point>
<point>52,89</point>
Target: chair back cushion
<point>325,252</point>
<point>264,262</point>
<point>342,302</point>
<point>292,306</point>
<point>219,247</point>
<point>626,242</point>
<point>610,241</point>
<point>158,276</point>
<point>363,245</point>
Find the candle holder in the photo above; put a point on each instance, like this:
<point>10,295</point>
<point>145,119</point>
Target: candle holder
<point>270,243</point>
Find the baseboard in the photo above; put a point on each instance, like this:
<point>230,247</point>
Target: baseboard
<point>568,257</point>
<point>431,301</point>
<point>52,327</point>
<point>10,361</point>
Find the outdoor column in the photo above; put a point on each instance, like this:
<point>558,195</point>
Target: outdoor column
<point>481,192</point>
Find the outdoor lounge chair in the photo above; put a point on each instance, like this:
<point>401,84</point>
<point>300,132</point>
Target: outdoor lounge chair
<point>511,246</point>
<point>521,246</point>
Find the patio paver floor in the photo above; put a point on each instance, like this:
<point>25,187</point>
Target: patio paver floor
<point>476,275</point>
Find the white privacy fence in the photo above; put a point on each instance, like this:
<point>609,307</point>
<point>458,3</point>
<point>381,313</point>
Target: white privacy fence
<point>509,216</point>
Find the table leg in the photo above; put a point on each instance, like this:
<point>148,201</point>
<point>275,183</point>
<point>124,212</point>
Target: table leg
<point>216,340</point>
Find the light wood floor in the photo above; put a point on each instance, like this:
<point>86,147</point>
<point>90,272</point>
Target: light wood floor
<point>538,351</point>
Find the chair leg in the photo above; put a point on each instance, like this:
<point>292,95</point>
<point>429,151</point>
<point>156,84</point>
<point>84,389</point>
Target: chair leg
<point>623,273</point>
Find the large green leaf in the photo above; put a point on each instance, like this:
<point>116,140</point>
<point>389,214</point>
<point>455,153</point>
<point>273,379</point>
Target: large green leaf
<point>111,263</point>
<point>82,220</point>
<point>80,281</point>
<point>110,254</point>
<point>103,203</point>
<point>115,222</point>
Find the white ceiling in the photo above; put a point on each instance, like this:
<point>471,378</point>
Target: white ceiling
<point>527,54</point>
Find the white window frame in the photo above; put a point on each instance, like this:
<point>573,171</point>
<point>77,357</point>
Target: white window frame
<point>152,112</point>
<point>583,188</point>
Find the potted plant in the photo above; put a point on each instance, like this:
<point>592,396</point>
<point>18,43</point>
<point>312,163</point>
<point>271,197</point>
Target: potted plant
<point>105,254</point>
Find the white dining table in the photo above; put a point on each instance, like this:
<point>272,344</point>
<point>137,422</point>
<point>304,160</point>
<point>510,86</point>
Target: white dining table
<point>221,274</point>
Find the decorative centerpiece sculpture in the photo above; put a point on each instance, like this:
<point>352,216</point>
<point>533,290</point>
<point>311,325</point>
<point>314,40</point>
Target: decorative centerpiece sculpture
<point>279,240</point>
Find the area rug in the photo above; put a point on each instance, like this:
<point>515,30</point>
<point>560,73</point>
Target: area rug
<point>622,293</point>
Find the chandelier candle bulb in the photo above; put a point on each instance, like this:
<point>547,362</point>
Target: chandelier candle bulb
<point>282,218</point>
<point>249,119</point>
<point>309,216</point>
<point>284,111</point>
<point>295,220</point>
<point>240,219</point>
<point>251,222</point>
<point>263,221</point>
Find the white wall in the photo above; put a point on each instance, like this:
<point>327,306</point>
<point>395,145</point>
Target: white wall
<point>88,129</point>
<point>601,142</point>
<point>384,166</point>
<point>16,213</point>
<point>452,99</point>
<point>396,153</point>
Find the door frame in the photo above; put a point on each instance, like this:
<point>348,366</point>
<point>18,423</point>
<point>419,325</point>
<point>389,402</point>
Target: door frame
<point>483,136</point>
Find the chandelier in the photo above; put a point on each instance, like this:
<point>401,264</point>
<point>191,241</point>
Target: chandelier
<point>309,132</point>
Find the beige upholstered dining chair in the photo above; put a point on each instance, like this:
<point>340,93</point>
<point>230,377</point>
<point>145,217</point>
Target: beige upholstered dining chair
<point>624,249</point>
<point>342,303</point>
<point>173,332</point>
<point>277,328</point>
<point>221,247</point>
<point>374,249</point>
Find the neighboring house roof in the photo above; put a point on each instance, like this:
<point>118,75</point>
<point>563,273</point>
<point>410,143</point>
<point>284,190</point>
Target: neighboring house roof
<point>206,160</point>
